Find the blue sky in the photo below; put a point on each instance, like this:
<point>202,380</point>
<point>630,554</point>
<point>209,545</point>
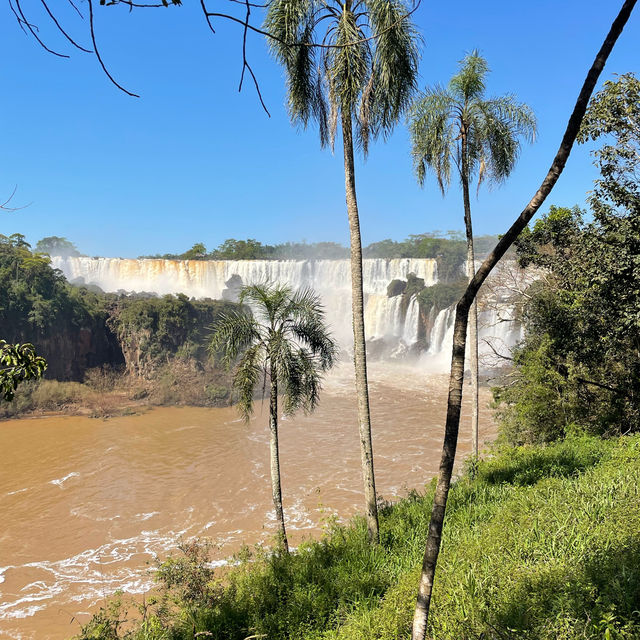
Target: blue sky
<point>193,160</point>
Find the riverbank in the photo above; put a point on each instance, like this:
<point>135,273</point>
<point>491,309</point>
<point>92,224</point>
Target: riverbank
<point>544,543</point>
<point>107,392</point>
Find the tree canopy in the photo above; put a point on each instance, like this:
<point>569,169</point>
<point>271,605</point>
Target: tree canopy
<point>579,362</point>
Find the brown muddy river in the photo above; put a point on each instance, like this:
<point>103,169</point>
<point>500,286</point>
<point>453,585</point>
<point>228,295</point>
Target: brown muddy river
<point>87,503</point>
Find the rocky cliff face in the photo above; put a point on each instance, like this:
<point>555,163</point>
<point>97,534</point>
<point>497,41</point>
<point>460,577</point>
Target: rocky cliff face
<point>69,347</point>
<point>70,351</point>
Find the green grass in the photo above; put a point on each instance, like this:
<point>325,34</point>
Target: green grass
<point>544,543</point>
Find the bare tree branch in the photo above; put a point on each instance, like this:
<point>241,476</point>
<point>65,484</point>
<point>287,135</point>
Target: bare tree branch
<point>208,15</point>
<point>4,207</point>
<point>97,52</point>
<point>32,28</point>
<point>62,31</point>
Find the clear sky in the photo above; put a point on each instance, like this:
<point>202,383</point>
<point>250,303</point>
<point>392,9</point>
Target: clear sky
<point>193,160</point>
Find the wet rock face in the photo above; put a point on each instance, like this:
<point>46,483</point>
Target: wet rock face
<point>70,351</point>
<point>232,291</point>
<point>396,288</point>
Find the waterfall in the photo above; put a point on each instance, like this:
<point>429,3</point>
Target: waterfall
<point>331,279</point>
<point>385,318</point>
<point>411,320</point>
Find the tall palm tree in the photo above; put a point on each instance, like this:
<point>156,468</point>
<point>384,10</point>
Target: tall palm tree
<point>285,342</point>
<point>481,138</point>
<point>353,62</point>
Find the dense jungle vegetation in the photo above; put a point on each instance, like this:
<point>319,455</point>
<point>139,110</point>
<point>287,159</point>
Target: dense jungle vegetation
<point>100,339</point>
<point>580,361</point>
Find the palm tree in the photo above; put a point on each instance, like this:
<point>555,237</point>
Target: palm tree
<point>284,342</point>
<point>352,61</point>
<point>482,138</point>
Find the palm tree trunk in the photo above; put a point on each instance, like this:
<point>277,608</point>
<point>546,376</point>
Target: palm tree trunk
<point>432,549</point>
<point>276,489</point>
<point>359,345</point>
<point>473,314</point>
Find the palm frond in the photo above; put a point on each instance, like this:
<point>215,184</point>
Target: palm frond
<point>469,83</point>
<point>432,135</point>
<point>266,298</point>
<point>492,128</point>
<point>520,116</point>
<point>395,62</point>
<point>292,343</point>
<point>505,123</point>
<point>231,334</point>
<point>366,66</point>
<point>246,377</point>
<point>291,22</point>
<point>303,383</point>
<point>347,63</point>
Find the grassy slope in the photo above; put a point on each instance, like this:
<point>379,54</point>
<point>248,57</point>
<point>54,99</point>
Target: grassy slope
<point>544,543</point>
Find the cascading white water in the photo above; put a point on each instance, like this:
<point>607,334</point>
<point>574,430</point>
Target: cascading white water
<point>331,279</point>
<point>385,318</point>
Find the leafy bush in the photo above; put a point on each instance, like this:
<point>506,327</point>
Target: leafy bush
<point>44,395</point>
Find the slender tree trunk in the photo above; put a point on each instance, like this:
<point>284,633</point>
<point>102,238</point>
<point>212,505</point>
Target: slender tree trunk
<point>359,345</point>
<point>421,613</point>
<point>276,489</point>
<point>473,314</point>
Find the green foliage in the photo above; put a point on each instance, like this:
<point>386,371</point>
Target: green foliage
<point>396,288</point>
<point>448,250</point>
<point>44,395</point>
<point>614,112</point>
<point>158,329</point>
<point>18,363</point>
<point>57,246</point>
<point>250,249</point>
<point>197,252</point>
<point>542,543</point>
<point>366,76</point>
<point>442,119</point>
<point>578,363</point>
<point>189,577</point>
<point>35,300</point>
<point>286,340</point>
<point>441,295</point>
<point>537,407</point>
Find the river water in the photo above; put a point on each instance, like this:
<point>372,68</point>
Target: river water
<point>87,503</point>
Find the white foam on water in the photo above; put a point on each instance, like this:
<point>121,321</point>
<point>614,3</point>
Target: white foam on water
<point>3,570</point>
<point>147,516</point>
<point>60,481</point>
<point>88,512</point>
<point>13,493</point>
<point>93,573</point>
